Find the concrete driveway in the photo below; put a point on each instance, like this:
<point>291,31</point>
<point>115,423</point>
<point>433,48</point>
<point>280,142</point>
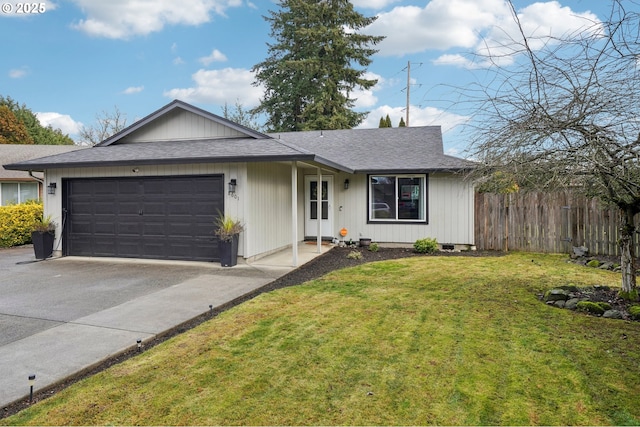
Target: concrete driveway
<point>60,316</point>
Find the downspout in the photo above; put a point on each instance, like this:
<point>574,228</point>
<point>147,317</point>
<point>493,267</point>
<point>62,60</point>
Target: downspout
<point>41,181</point>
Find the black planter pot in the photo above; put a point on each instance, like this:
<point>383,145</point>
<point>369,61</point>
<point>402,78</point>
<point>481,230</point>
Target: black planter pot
<point>42,243</point>
<point>228,252</point>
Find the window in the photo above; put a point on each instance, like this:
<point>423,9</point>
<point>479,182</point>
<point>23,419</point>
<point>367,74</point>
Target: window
<point>18,192</point>
<point>398,198</point>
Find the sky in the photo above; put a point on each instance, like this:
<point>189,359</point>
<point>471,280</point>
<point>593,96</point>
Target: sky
<point>72,61</point>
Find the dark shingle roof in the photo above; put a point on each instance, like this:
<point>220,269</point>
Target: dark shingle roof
<point>173,152</point>
<point>417,149</point>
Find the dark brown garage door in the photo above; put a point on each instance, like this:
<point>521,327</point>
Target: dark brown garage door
<point>150,217</point>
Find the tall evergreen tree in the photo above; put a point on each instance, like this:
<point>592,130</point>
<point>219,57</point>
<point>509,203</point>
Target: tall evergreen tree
<point>309,74</point>
<point>383,123</point>
<point>402,124</point>
<point>388,120</point>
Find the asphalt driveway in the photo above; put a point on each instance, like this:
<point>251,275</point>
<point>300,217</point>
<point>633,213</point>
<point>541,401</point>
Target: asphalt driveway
<point>63,315</point>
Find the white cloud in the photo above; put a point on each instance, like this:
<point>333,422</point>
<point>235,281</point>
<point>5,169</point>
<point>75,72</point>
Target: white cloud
<point>133,89</point>
<point>366,98</point>
<point>18,73</point>
<point>177,61</point>
<point>219,86</point>
<point>215,56</point>
<point>474,25</point>
<point>428,116</point>
<point>122,19</point>
<point>64,122</point>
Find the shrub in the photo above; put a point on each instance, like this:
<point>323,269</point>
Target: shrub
<point>634,312</point>
<point>593,307</point>
<point>354,255</point>
<point>629,296</point>
<point>426,245</point>
<point>16,223</point>
<point>374,247</point>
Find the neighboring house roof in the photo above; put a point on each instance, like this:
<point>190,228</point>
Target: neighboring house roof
<point>354,150</point>
<point>19,153</point>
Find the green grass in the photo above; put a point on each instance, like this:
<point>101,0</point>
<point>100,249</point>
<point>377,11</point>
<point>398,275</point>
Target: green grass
<point>427,340</point>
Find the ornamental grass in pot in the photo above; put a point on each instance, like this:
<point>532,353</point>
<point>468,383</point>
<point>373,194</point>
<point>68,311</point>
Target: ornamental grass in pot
<point>228,230</point>
<point>43,234</point>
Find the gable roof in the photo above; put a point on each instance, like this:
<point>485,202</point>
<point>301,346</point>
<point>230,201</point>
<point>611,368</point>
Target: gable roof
<point>415,149</point>
<point>179,105</point>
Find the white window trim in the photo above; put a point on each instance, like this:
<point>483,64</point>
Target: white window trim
<point>423,196</point>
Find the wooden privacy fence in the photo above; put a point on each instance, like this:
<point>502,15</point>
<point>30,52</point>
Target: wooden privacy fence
<point>546,222</point>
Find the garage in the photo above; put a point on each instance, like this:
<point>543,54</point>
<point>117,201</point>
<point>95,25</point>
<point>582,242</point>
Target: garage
<point>167,217</point>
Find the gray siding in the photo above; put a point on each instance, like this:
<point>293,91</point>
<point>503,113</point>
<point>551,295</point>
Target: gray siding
<point>268,209</point>
<point>450,212</point>
<point>180,124</point>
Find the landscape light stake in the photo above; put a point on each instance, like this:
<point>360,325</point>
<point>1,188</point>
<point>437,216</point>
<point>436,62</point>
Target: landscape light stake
<point>211,309</point>
<point>139,342</point>
<point>32,380</point>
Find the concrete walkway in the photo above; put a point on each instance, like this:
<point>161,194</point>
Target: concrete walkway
<point>64,315</point>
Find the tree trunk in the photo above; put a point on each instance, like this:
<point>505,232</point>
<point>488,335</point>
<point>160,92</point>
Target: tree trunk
<point>627,257</point>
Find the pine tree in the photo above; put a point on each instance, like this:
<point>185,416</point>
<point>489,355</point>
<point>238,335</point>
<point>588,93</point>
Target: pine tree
<point>388,120</point>
<point>402,123</point>
<point>309,74</point>
<point>383,123</point>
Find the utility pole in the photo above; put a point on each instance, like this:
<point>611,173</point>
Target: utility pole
<point>408,89</point>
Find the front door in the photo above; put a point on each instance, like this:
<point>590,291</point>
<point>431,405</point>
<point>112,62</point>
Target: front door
<point>313,210</point>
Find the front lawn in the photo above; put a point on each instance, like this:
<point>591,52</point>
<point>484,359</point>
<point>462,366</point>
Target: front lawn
<point>426,340</point>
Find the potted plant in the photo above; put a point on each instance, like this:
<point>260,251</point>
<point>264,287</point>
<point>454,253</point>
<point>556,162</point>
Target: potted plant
<point>228,231</point>
<point>43,234</point>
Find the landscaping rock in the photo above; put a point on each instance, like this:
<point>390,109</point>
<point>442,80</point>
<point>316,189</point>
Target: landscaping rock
<point>570,287</point>
<point>580,251</point>
<point>593,263</point>
<point>597,300</point>
<point>572,303</point>
<point>556,295</point>
<point>612,314</point>
<point>606,266</point>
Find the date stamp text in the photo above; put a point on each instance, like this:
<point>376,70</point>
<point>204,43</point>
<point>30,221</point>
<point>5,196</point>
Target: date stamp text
<point>23,8</point>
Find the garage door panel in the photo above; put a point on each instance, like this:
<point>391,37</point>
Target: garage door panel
<point>154,208</point>
<point>104,246</point>
<point>128,228</point>
<point>128,187</point>
<point>100,208</point>
<point>105,187</point>
<point>180,229</point>
<point>104,227</point>
<point>144,217</point>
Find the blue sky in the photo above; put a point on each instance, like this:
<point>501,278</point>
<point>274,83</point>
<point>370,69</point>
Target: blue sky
<point>75,59</point>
